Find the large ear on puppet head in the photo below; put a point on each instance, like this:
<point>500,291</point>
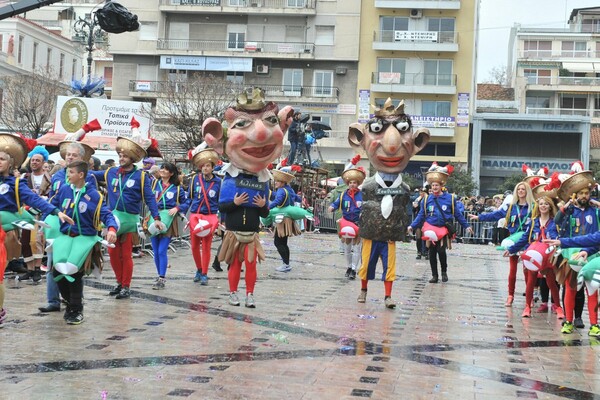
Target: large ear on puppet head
<point>212,130</point>
<point>356,135</point>
<point>285,117</point>
<point>421,137</point>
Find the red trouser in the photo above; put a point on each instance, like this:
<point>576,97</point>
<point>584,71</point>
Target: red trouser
<point>201,257</point>
<point>551,282</point>
<point>592,303</point>
<point>121,259</point>
<point>235,270</point>
<point>512,275</point>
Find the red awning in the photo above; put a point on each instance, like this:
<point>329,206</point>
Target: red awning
<point>95,142</point>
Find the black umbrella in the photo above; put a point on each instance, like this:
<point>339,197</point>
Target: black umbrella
<point>316,125</point>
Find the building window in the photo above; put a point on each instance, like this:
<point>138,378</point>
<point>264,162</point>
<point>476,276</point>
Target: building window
<point>438,72</point>
<point>1,43</point>
<point>324,119</point>
<point>439,149</point>
<point>235,76</point>
<point>34,56</point>
<point>237,3</point>
<point>74,73</point>
<point>590,25</point>
<point>573,105</point>
<point>292,82</point>
<point>325,35</point>
<point>435,108</point>
<point>444,27</point>
<point>48,59</point>
<point>108,74</point>
<point>573,49</point>
<point>323,83</point>
<point>538,48</point>
<point>389,25</point>
<point>20,51</point>
<point>61,66</point>
<point>236,37</point>
<point>538,76</point>
<point>533,100</point>
<point>296,3</point>
<point>391,70</point>
<point>148,30</point>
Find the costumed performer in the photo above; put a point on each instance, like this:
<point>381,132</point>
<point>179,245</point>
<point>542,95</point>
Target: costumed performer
<point>253,140</point>
<point>390,142</point>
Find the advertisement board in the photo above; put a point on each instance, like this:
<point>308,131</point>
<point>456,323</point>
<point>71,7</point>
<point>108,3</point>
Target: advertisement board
<point>114,116</point>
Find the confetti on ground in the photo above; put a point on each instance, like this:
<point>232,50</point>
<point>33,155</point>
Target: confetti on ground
<point>363,316</point>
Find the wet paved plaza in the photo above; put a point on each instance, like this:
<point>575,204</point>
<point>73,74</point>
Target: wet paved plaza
<point>308,338</point>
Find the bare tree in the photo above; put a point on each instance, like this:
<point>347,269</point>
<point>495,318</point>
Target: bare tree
<point>183,105</point>
<point>498,75</point>
<point>29,101</point>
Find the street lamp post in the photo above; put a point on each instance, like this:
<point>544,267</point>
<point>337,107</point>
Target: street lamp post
<point>89,33</point>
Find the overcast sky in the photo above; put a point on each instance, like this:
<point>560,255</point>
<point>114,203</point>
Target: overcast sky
<point>498,16</point>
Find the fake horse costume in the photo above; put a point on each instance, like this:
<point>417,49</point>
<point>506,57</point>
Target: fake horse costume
<point>128,190</point>
<point>204,218</point>
<point>350,203</point>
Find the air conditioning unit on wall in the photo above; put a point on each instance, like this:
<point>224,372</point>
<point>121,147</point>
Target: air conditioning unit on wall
<point>262,69</point>
<point>415,13</point>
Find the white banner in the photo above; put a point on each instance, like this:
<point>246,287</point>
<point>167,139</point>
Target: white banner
<point>114,115</point>
<point>417,36</point>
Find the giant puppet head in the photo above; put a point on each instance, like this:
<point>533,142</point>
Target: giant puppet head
<point>388,138</point>
<point>254,135</point>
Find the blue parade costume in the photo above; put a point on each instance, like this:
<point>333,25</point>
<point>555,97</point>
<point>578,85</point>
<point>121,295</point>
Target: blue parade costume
<point>127,191</point>
<point>60,178</point>
<point>518,216</point>
<point>430,213</point>
<point>171,196</point>
<point>14,194</point>
<point>201,190</point>
<point>579,223</point>
<point>533,232</point>
<point>75,242</point>
<point>242,183</point>
<point>349,206</point>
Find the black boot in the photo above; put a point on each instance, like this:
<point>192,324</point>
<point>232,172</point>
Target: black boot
<point>434,279</point>
<point>444,277</point>
<point>216,265</point>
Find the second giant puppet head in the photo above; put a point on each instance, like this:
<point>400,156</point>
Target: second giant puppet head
<point>388,138</point>
<point>254,135</point>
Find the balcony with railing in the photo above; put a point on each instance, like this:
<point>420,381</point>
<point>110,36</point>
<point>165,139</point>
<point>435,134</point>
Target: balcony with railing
<point>290,7</point>
<point>559,111</point>
<point>571,83</point>
<point>415,41</point>
<point>419,4</point>
<point>236,48</point>
<point>396,82</point>
<point>558,54</point>
<point>277,93</point>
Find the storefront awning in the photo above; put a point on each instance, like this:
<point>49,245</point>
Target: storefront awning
<point>98,142</point>
<point>582,66</point>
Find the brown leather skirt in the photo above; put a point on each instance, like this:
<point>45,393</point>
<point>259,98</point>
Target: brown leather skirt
<point>286,228</point>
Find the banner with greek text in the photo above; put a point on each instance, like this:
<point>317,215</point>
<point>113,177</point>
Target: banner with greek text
<point>114,116</point>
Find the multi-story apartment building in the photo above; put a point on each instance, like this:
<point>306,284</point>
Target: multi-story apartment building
<point>303,53</point>
<point>61,18</point>
<point>26,46</point>
<point>422,51</point>
<point>554,74</point>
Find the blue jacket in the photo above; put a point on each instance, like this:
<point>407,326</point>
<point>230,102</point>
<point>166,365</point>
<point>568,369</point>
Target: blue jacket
<point>432,214</point>
<point>125,192</point>
<point>350,207</point>
<point>8,198</point>
<point>174,196</point>
<point>87,218</point>
<point>283,197</point>
<point>60,178</point>
<point>519,218</point>
<point>533,234</point>
<point>212,188</point>
<point>575,223</point>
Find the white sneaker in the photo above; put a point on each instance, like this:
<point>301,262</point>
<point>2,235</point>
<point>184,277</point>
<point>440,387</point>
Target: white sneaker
<point>233,299</point>
<point>250,301</point>
<point>283,268</point>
